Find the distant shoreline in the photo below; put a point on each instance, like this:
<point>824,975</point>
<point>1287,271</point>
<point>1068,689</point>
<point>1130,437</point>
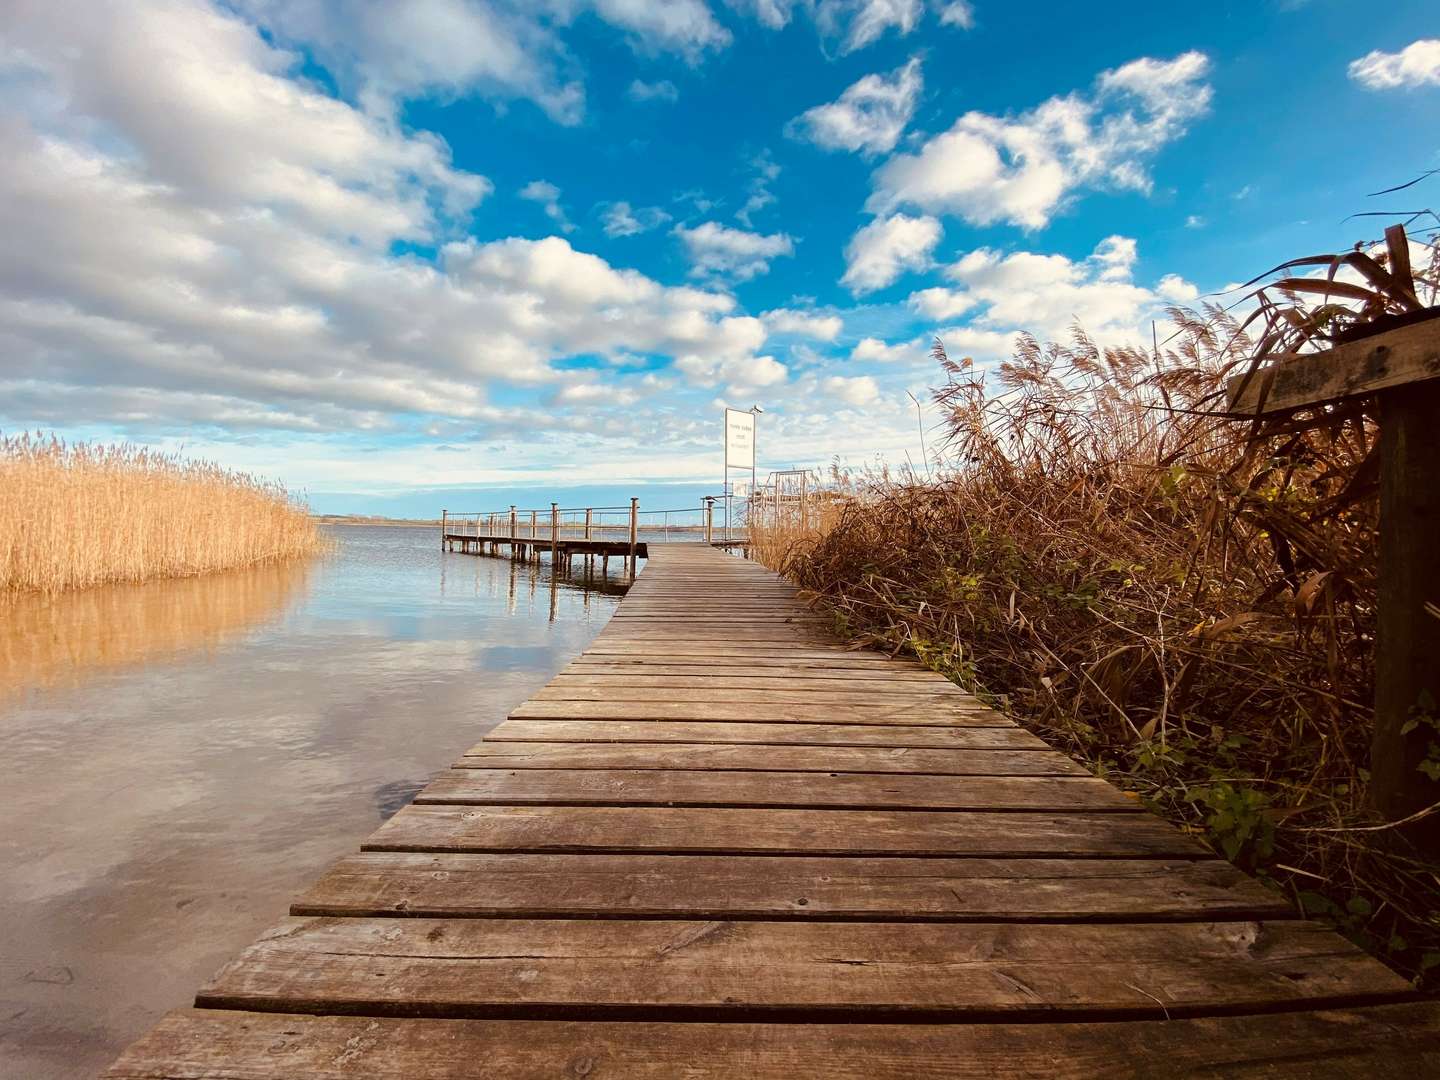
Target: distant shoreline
<point>360,519</point>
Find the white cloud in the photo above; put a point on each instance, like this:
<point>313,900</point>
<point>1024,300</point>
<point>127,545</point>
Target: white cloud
<point>1194,221</point>
<point>548,196</point>
<point>873,349</point>
<point>988,168</point>
<point>941,303</point>
<point>803,324</point>
<point>852,24</point>
<point>858,23</point>
<point>683,26</point>
<point>868,117</point>
<point>740,373</point>
<point>766,172</point>
<point>1046,294</point>
<point>718,251</point>
<point>1176,290</point>
<point>1418,64</point>
<point>774,14</point>
<point>196,236</point>
<point>622,219</point>
<point>853,390</point>
<point>887,247</point>
<point>664,90</point>
<point>387,51</point>
<point>959,13</point>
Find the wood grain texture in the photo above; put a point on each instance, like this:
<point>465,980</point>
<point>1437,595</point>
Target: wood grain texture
<point>836,759</point>
<point>714,969</point>
<point>893,711</point>
<point>895,736</point>
<point>1335,1044</point>
<point>656,787</point>
<point>799,887</point>
<point>1393,358</point>
<point>769,832</point>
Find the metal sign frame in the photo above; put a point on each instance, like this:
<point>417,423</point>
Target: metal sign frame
<point>747,430</point>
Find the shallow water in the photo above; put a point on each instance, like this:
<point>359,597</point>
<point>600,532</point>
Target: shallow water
<point>180,758</point>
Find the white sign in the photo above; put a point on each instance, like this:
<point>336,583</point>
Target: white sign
<point>739,439</point>
<point>740,489</point>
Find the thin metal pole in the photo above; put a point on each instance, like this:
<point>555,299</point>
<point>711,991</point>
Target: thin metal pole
<point>587,522</point>
<point>443,515</point>
<point>554,533</point>
<point>709,519</point>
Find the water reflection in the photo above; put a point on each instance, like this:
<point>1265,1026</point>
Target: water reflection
<point>65,638</point>
<point>181,759</point>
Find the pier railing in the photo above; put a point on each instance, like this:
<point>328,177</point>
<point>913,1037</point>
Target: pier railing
<point>628,525</point>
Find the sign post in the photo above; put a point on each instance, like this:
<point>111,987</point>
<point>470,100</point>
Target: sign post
<point>739,451</point>
<point>1401,369</point>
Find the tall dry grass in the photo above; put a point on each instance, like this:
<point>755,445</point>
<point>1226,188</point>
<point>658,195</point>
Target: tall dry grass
<point>1183,603</point>
<point>73,516</point>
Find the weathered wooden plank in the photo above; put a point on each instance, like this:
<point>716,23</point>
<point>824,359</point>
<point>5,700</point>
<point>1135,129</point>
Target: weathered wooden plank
<point>760,667</point>
<point>722,691</point>
<point>763,887</point>
<point>1338,1044</point>
<point>894,712</point>
<point>1393,358</point>
<point>745,969</point>
<point>731,655</point>
<point>767,832</point>
<point>765,734</point>
<point>621,681</point>
<point>836,759</point>
<point>847,791</point>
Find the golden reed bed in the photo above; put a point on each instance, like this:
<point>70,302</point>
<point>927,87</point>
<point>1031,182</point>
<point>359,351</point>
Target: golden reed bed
<point>73,516</point>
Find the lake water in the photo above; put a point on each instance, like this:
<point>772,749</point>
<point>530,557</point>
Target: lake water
<point>180,758</point>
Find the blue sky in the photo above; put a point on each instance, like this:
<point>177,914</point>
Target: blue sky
<point>445,252</point>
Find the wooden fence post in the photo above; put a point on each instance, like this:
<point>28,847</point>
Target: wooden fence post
<point>554,534</point>
<point>443,515</point>
<point>587,523</point>
<point>1407,639</point>
<point>709,518</point>
<point>634,531</point>
<point>1401,369</point>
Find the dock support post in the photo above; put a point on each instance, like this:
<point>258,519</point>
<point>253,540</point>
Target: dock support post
<point>587,522</point>
<point>709,519</point>
<point>554,536</point>
<point>514,531</point>
<point>1407,680</point>
<point>634,532</point>
<point>443,515</point>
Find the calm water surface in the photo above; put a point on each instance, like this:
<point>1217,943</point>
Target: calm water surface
<point>180,758</point>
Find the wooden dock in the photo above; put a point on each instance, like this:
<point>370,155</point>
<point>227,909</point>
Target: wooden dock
<point>720,844</point>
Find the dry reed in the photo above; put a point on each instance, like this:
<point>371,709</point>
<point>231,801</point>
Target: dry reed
<point>1183,604</point>
<point>73,516</point>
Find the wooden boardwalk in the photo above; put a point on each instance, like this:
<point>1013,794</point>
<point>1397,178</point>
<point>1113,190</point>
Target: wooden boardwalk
<point>721,845</point>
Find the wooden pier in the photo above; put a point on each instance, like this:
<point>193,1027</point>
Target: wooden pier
<point>720,844</point>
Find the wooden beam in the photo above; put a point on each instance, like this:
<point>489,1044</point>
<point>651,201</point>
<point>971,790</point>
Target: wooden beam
<point>1393,358</point>
<point>1407,646</point>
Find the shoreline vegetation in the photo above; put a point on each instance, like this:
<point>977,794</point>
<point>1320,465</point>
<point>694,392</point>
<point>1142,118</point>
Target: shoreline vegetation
<point>79,515</point>
<point>1184,603</point>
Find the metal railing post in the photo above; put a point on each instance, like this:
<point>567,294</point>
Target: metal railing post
<point>534,523</point>
<point>443,515</point>
<point>709,519</point>
<point>554,533</point>
<point>634,530</point>
<point>587,522</point>
<point>513,531</point>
